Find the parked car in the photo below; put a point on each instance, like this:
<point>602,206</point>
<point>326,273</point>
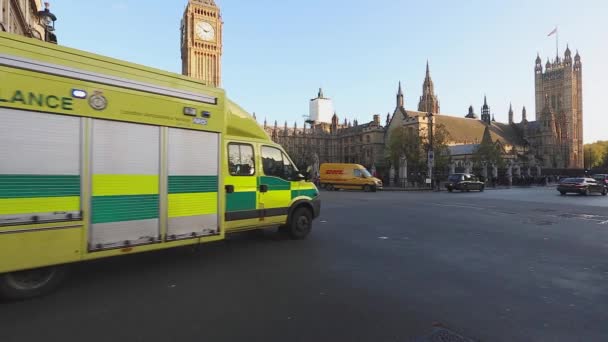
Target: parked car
<point>601,178</point>
<point>464,182</point>
<point>582,186</point>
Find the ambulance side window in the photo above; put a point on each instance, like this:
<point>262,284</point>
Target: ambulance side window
<point>276,164</point>
<point>272,162</point>
<point>241,161</point>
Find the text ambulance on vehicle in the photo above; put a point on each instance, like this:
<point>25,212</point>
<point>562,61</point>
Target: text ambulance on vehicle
<point>100,158</point>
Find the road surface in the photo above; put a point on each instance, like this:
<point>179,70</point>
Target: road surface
<point>504,265</point>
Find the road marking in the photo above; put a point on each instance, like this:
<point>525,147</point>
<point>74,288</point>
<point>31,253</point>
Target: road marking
<point>586,217</point>
<point>461,206</point>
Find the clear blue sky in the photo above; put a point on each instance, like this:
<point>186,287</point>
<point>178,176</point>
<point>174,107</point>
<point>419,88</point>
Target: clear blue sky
<point>278,53</point>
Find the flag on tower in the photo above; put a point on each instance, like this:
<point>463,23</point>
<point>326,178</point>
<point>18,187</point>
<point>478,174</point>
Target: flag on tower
<point>553,32</point>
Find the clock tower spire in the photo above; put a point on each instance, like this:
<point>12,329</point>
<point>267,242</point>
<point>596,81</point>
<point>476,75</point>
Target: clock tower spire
<point>201,42</point>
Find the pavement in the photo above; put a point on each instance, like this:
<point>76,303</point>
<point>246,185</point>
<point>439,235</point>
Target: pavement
<point>510,265</point>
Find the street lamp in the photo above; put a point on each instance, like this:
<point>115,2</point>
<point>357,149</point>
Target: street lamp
<point>526,150</point>
<point>47,20</point>
<point>430,153</point>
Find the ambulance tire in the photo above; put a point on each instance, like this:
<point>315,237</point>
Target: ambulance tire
<point>300,224</point>
<point>367,188</point>
<point>329,187</point>
<point>31,283</point>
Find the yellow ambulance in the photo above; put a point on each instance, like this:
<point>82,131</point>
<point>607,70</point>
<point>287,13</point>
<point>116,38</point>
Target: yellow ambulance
<point>100,158</point>
<point>335,176</point>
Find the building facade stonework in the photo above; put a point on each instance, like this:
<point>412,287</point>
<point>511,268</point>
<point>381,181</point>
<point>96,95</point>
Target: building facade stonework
<point>553,140</point>
<point>21,17</point>
<point>335,142</point>
<point>201,42</point>
<point>428,101</point>
<point>556,136</point>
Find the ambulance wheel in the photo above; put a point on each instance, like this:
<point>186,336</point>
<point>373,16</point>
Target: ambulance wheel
<point>31,283</point>
<point>300,224</point>
<point>367,188</point>
<point>329,187</point>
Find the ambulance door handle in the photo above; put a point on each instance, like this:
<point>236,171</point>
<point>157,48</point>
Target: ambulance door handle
<point>229,189</point>
<point>263,188</point>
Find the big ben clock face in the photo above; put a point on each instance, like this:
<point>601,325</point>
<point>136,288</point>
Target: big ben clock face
<point>205,31</point>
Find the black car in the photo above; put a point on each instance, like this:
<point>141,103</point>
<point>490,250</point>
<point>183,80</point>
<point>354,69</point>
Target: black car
<point>601,178</point>
<point>581,186</point>
<point>464,182</point>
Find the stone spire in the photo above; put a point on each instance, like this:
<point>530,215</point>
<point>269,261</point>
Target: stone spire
<point>400,99</point>
<point>524,115</point>
<point>487,137</point>
<point>320,95</point>
<point>388,119</point>
<point>485,111</point>
<point>471,114</point>
<point>577,62</point>
<point>538,68</point>
<point>428,100</point>
<point>511,114</point>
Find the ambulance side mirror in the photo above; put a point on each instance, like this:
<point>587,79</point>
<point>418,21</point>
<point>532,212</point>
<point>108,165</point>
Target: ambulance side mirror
<point>308,173</point>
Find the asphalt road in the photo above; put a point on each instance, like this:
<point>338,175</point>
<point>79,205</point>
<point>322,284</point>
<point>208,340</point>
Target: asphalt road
<point>504,265</point>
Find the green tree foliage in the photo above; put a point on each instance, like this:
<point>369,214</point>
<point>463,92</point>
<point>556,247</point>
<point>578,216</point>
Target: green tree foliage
<point>408,142</point>
<point>404,141</point>
<point>441,138</point>
<point>596,154</point>
<point>488,151</point>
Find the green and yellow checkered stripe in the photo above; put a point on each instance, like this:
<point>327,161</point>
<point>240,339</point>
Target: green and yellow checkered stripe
<point>38,194</point>
<point>120,198</point>
<point>192,196</point>
<point>279,192</point>
<point>245,197</point>
<point>244,204</point>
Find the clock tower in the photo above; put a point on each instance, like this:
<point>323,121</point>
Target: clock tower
<point>202,42</point>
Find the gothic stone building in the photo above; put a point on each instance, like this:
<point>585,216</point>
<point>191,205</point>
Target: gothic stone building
<point>335,142</point>
<point>556,137</point>
<point>465,133</point>
<point>201,42</point>
<point>21,17</point>
<point>553,140</point>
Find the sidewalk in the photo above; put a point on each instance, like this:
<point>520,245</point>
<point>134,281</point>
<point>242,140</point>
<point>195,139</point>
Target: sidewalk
<point>394,188</point>
<point>487,188</point>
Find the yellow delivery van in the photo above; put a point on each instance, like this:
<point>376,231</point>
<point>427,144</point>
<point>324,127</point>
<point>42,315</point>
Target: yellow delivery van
<point>101,158</point>
<point>348,176</point>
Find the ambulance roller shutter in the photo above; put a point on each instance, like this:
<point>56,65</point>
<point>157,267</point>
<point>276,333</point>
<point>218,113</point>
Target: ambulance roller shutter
<point>125,184</point>
<point>39,167</point>
<point>193,183</point>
